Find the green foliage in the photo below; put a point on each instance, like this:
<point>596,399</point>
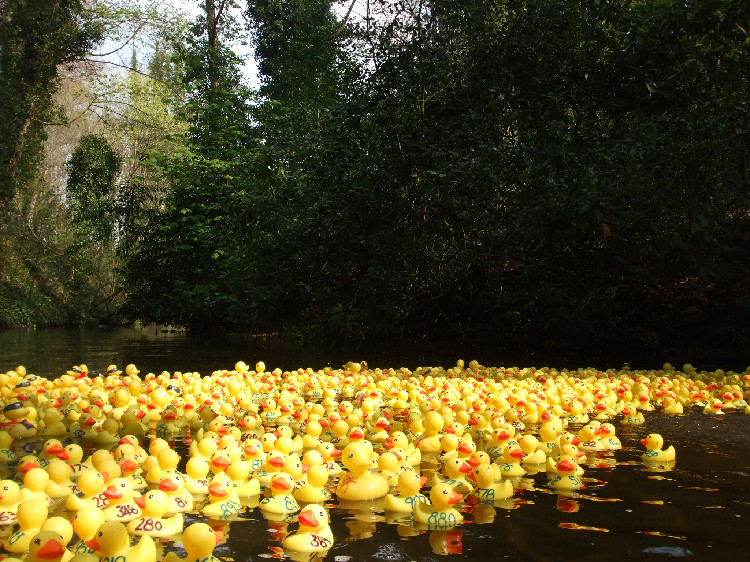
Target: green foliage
<point>562,172</point>
<point>92,172</point>
<point>186,272</point>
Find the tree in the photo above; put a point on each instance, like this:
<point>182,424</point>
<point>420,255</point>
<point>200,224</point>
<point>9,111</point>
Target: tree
<point>91,187</point>
<point>35,38</point>
<point>186,272</point>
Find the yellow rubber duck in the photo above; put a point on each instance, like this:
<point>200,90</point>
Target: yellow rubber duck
<point>409,484</point>
<point>91,485</point>
<point>270,412</point>
<point>576,413</point>
<point>440,514</point>
<point>314,533</point>
<point>130,421</point>
<point>329,453</point>
<point>35,486</point>
<point>714,407</point>
<point>63,528</point>
<point>20,424</point>
<point>565,477</point>
<point>253,453</point>
<point>448,447</point>
<point>549,437</point>
<point>429,441</point>
<point>109,434</point>
<point>112,542</point>
<point>632,416</point>
<point>166,465</point>
<point>511,465</point>
<point>196,476</point>
<point>60,484</point>
<point>180,500</point>
<point>131,471</point>
<point>53,424</point>
<point>654,452</point>
<point>311,439</point>
<point>85,428</point>
<point>608,439</point>
<point>168,426</point>
<point>400,440</point>
<point>199,541</point>
<point>359,482</point>
<point>10,497</point>
<point>46,546</point>
<point>456,470</point>
<point>281,501</point>
<point>30,516</point>
<point>672,406</point>
<point>121,504</point>
<point>314,490</point>
<point>529,444</point>
<point>498,439</point>
<point>389,464</point>
<point>73,454</point>
<point>590,440</point>
<point>86,523</point>
<point>487,491</point>
<point>154,505</point>
<point>223,502</point>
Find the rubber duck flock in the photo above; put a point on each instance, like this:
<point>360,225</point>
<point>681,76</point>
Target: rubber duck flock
<point>427,442</point>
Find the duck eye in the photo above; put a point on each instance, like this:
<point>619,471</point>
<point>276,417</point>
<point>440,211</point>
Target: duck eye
<point>37,541</point>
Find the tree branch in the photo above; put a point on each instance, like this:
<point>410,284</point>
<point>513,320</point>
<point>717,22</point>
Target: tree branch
<point>346,18</point>
<point>129,39</point>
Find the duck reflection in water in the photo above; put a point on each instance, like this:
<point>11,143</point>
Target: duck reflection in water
<point>566,503</point>
<point>447,542</point>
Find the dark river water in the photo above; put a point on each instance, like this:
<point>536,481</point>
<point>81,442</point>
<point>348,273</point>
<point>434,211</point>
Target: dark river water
<point>697,509</point>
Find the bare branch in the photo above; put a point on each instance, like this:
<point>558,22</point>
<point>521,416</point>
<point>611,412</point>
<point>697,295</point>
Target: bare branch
<point>136,31</point>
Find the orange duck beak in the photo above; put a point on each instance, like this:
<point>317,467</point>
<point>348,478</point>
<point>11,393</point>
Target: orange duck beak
<point>28,466</point>
<point>167,485</point>
<point>307,518</point>
<point>455,497</point>
<point>281,484</point>
<point>51,550</point>
<point>112,493</point>
<point>140,501</point>
<point>217,490</point>
<point>517,454</point>
<point>221,462</point>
